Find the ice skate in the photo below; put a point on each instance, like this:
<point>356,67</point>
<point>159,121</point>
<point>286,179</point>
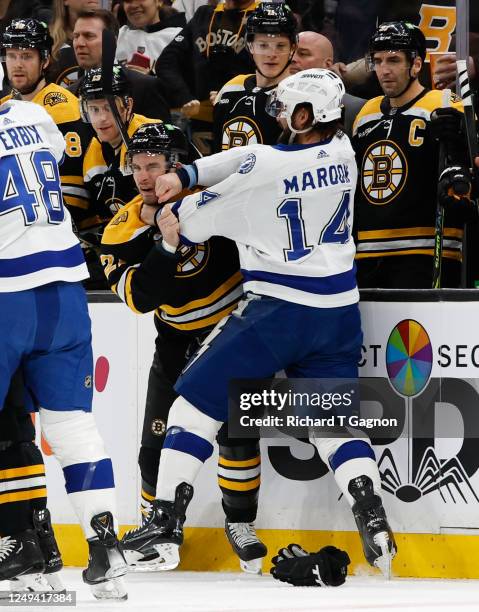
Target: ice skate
<point>377,538</point>
<point>161,532</point>
<point>20,554</point>
<point>246,544</point>
<point>106,563</point>
<point>50,579</point>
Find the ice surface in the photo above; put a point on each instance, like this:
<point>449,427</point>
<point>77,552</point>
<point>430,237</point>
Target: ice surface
<point>234,592</point>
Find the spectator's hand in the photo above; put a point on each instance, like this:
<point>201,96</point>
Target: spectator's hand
<point>169,226</point>
<point>340,69</point>
<point>147,214</point>
<point>444,74</point>
<point>477,161</point>
<point>213,95</point>
<point>140,69</point>
<point>191,108</point>
<point>167,186</point>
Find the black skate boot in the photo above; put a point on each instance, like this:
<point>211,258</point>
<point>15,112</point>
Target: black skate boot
<point>161,532</point>
<point>20,554</point>
<point>378,541</point>
<point>247,545</point>
<point>106,563</point>
<point>50,579</point>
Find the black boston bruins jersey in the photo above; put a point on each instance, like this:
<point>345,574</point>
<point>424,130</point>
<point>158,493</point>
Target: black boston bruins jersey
<point>397,181</point>
<point>239,116</point>
<point>109,187</point>
<point>190,290</point>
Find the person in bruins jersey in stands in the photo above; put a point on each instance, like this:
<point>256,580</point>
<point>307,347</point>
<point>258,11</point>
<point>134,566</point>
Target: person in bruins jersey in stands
<point>395,139</point>
<point>190,289</point>
<point>26,49</point>
<point>239,116</point>
<point>109,186</point>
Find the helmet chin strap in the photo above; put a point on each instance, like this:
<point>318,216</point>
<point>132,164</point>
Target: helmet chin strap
<point>294,132</point>
<point>409,83</point>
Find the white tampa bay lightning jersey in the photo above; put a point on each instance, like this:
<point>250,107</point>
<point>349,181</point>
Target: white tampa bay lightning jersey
<point>290,210</point>
<point>37,243</point>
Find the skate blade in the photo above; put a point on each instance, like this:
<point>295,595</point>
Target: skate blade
<point>110,589</point>
<point>384,562</point>
<point>30,583</point>
<point>254,566</point>
<point>139,562</point>
<point>169,556</point>
<point>55,582</point>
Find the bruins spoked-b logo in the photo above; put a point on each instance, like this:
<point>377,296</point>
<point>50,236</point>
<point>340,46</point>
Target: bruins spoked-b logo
<point>240,132</point>
<point>384,172</point>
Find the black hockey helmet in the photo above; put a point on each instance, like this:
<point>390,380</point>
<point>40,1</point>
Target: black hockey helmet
<point>159,138</point>
<point>92,87</point>
<point>272,18</point>
<point>27,34</point>
<point>397,36</point>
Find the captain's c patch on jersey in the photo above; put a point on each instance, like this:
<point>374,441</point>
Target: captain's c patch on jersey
<point>383,172</point>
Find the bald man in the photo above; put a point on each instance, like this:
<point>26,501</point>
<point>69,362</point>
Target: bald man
<point>316,51</point>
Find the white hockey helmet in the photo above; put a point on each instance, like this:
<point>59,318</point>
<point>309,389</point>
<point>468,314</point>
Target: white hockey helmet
<point>321,88</point>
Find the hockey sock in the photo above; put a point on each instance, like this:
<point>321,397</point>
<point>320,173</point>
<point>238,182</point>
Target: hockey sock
<point>349,458</point>
<point>76,443</point>
<point>148,460</point>
<point>22,486</point>
<point>239,478</point>
<point>188,444</point>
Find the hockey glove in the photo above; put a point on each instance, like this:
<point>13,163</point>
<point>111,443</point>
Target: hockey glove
<point>328,567</point>
<point>454,189</point>
<point>447,125</point>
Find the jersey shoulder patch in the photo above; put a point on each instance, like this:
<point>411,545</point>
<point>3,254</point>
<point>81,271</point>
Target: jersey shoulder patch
<point>60,104</point>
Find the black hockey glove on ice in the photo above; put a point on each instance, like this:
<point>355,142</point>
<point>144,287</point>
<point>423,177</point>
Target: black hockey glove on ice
<point>328,567</point>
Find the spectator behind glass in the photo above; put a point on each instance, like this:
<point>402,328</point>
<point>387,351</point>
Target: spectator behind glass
<point>64,71</point>
<point>151,28</point>
<point>19,9</point>
<point>316,51</point>
<point>87,45</point>
<point>357,19</point>
<point>209,52</point>
<point>189,7</point>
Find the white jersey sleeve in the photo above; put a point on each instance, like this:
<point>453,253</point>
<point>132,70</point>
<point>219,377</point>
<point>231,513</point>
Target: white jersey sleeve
<point>290,211</point>
<point>37,243</point>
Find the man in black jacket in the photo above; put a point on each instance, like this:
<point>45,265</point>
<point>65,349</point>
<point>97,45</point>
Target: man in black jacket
<point>207,53</point>
<point>87,35</point>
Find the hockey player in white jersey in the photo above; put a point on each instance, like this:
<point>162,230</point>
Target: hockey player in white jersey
<point>289,209</point>
<point>45,330</point>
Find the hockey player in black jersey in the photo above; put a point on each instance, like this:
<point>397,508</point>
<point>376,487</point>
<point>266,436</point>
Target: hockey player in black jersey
<point>104,161</point>
<point>240,117</point>
<point>395,139</point>
<point>190,289</point>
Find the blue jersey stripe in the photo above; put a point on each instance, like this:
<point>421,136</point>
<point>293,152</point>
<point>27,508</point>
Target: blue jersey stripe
<point>189,443</point>
<point>19,266</point>
<point>321,285</point>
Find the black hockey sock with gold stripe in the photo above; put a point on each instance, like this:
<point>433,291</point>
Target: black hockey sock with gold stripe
<point>239,477</point>
<point>22,486</point>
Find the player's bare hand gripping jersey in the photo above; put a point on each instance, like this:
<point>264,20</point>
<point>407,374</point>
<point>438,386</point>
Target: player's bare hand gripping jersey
<point>290,210</point>
<point>37,244</point>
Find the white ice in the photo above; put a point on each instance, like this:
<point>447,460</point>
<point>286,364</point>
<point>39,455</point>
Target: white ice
<point>234,592</point>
